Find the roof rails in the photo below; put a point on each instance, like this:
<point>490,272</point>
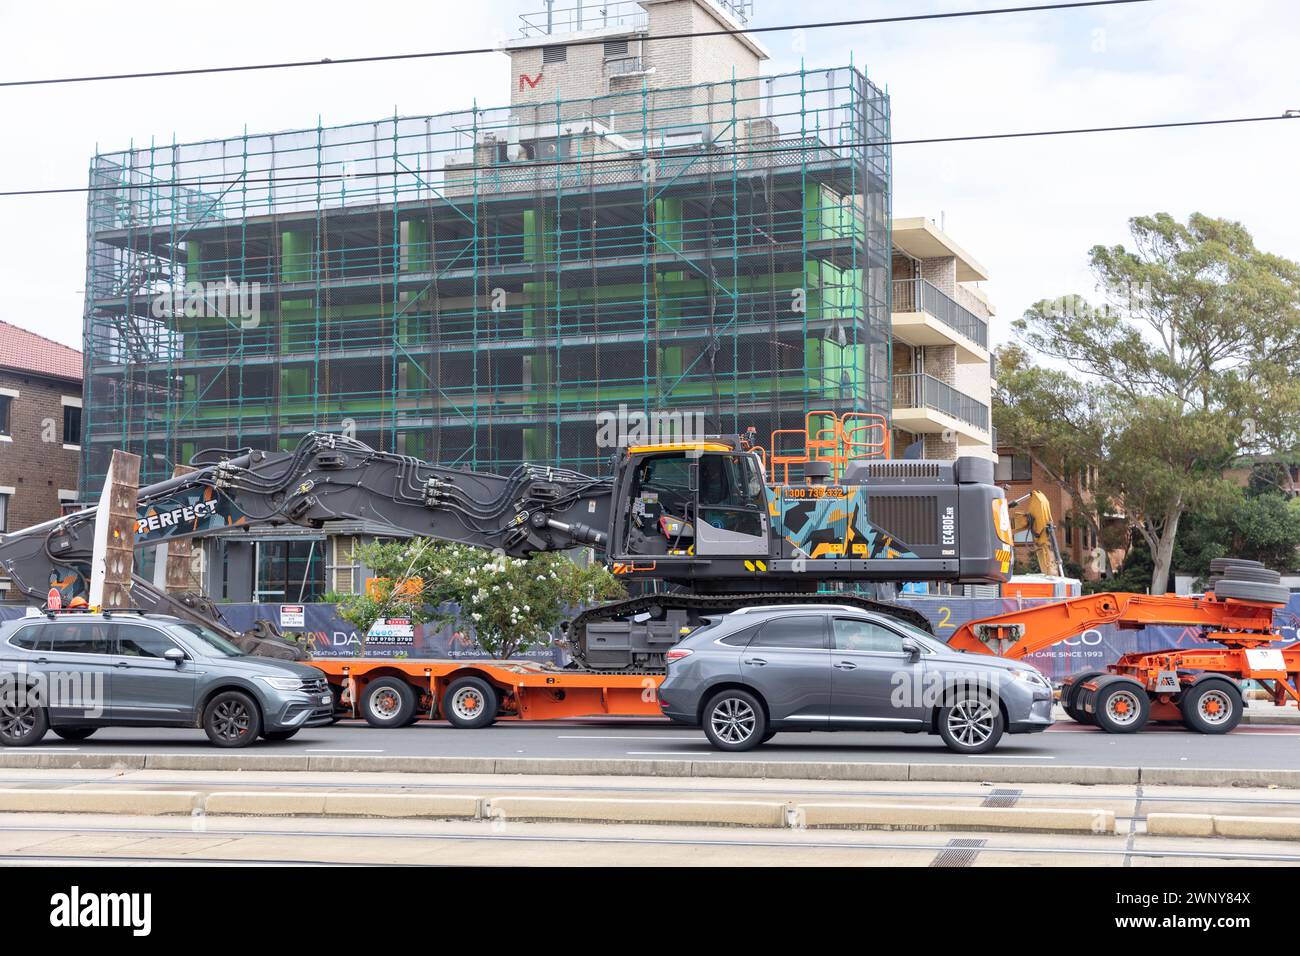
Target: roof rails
<point>761,608</point>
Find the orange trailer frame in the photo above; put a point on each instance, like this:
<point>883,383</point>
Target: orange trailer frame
<point>1240,628</point>
<point>526,690</point>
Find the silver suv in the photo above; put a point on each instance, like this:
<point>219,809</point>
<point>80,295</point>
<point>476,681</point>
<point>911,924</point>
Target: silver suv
<point>75,673</point>
<point>749,675</point>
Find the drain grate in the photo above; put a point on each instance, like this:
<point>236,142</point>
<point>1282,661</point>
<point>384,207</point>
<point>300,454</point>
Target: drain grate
<point>1002,798</point>
<point>959,852</point>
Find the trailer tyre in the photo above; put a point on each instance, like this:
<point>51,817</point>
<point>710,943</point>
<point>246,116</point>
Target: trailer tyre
<point>388,702</point>
<point>1070,702</point>
<point>1121,707</point>
<point>470,702</point>
<point>1211,707</point>
<point>1252,591</point>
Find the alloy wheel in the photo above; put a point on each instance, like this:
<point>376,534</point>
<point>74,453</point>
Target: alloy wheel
<point>733,720</point>
<point>231,720</point>
<point>971,722</point>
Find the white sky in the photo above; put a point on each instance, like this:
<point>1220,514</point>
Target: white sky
<point>1027,209</point>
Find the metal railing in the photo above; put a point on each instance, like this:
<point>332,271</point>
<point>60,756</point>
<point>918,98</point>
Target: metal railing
<point>917,295</point>
<point>918,390</point>
<point>583,16</point>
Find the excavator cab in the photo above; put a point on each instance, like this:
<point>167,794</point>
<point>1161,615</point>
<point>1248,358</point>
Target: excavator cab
<point>687,501</point>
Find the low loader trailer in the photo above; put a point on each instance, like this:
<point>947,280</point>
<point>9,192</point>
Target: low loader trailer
<point>388,692</point>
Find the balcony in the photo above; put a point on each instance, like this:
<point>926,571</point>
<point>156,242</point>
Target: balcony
<point>923,404</point>
<point>625,15</point>
<point>924,315</point>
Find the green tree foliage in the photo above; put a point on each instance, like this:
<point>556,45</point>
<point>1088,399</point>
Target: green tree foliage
<point>1255,523</point>
<point>1187,364</point>
<point>508,605</point>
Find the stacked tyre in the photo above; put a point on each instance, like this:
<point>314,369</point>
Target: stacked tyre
<point>1247,581</point>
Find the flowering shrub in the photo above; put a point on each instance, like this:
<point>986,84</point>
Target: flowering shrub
<point>509,604</point>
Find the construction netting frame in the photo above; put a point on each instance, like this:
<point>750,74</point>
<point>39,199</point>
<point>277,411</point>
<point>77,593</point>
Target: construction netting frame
<point>475,288</point>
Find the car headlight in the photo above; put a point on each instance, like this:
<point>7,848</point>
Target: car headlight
<point>283,683</point>
<point>1033,677</point>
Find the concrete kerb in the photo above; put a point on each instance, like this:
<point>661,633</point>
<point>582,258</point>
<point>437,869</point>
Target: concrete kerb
<point>772,814</point>
<point>719,769</point>
<point>1223,825</point>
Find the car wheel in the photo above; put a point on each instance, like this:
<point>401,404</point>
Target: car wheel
<point>388,702</point>
<point>1121,708</point>
<point>734,720</point>
<point>470,703</point>
<point>73,733</point>
<point>232,719</point>
<point>280,734</point>
<point>22,725</point>
<point>1211,707</point>
<point>973,724</point>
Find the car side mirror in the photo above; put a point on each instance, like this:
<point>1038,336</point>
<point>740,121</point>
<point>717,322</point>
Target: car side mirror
<point>175,655</point>
<point>912,650</point>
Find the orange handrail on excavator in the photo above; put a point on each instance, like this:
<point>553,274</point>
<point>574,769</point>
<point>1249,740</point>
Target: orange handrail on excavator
<point>1196,685</point>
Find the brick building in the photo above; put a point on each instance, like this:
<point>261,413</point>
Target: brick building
<point>40,427</point>
<point>1020,473</point>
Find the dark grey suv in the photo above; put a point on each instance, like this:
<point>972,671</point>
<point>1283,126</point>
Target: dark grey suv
<point>749,675</point>
<point>76,673</point>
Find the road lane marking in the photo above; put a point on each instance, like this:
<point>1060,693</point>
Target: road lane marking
<point>1009,757</point>
<point>614,737</point>
<point>318,751</point>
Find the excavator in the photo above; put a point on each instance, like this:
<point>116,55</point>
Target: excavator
<point>701,521</point>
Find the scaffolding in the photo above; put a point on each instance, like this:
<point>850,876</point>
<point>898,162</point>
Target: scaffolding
<point>475,288</point>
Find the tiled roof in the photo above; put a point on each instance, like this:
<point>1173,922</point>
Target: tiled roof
<point>29,352</point>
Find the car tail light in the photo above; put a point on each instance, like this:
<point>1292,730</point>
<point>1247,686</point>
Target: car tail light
<point>677,653</point>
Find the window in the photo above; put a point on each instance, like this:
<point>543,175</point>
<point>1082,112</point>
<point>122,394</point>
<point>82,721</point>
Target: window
<point>137,640</point>
<point>555,54</point>
<point>6,410</point>
<point>4,513</point>
<point>71,425</point>
<point>82,637</point>
<point>807,633</point>
<point>858,635</point>
<point>212,639</point>
<point>740,638</point>
<point>28,638</point>
<point>290,571</point>
<point>1022,468</point>
<point>615,48</point>
<point>731,494</point>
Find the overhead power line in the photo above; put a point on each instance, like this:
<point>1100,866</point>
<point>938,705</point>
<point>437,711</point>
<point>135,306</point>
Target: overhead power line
<point>475,51</point>
<point>632,157</point>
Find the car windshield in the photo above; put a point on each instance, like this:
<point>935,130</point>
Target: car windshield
<point>211,638</point>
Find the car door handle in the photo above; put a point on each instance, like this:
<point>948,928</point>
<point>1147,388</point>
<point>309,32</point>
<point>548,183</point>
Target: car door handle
<point>121,664</point>
<point>756,661</point>
<point>847,666</point>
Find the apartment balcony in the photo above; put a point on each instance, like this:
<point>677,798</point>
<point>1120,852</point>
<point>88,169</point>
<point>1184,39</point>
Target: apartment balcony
<point>924,315</point>
<point>925,405</point>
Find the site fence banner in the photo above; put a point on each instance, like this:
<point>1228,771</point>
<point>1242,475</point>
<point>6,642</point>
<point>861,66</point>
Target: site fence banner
<point>1091,650</point>
<point>331,636</point>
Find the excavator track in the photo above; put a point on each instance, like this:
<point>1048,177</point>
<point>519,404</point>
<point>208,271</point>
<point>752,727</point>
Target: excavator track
<point>702,605</point>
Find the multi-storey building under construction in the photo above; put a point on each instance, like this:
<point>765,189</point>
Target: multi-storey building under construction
<point>650,226</point>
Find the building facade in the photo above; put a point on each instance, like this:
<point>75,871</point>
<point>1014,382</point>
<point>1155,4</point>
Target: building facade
<point>942,362</point>
<point>40,429</point>
<point>649,226</point>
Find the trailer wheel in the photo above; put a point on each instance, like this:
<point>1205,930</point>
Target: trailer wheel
<point>388,702</point>
<point>470,702</point>
<point>1121,707</point>
<point>1070,703</point>
<point>1211,707</point>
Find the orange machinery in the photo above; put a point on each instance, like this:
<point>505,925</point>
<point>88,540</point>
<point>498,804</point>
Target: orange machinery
<point>1196,685</point>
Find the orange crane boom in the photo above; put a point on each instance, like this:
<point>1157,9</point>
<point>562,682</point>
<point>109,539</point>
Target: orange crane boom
<point>1186,684</point>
